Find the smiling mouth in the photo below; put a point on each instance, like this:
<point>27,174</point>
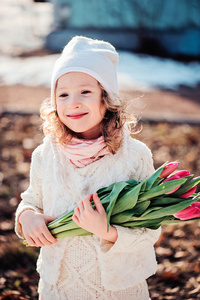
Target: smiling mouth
<point>77,116</point>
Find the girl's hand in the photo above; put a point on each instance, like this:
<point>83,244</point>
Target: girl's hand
<point>35,230</point>
<point>94,220</point>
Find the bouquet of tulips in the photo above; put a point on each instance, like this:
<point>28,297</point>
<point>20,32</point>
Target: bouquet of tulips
<point>165,197</point>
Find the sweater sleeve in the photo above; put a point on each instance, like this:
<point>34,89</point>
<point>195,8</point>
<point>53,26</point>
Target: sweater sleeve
<point>140,158</point>
<point>131,259</point>
<point>32,197</point>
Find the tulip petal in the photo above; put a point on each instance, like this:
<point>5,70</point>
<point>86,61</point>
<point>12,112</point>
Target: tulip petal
<point>191,212</point>
<point>169,179</point>
<point>168,169</point>
<point>189,192</point>
<point>187,185</point>
<point>182,173</point>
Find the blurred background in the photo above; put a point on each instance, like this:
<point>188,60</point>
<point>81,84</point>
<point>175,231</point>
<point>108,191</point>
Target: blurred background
<point>159,48</point>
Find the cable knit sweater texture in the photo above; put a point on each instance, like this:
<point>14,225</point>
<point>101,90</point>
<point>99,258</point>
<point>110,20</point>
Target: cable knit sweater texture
<point>83,268</point>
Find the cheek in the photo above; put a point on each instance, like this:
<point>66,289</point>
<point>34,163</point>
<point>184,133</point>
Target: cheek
<point>59,107</point>
<point>60,112</point>
<point>102,110</point>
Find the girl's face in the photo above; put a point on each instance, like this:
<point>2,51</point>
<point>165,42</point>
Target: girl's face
<point>79,104</point>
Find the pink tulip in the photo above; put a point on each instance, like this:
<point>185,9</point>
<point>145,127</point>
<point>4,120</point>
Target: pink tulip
<point>168,169</point>
<point>172,178</point>
<point>189,192</point>
<point>191,212</point>
<point>177,175</point>
<point>182,173</point>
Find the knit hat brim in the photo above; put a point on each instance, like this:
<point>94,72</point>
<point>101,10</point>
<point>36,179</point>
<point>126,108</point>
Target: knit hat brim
<point>96,58</point>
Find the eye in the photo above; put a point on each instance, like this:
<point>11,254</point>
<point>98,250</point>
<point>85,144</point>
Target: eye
<point>63,95</point>
<point>85,92</point>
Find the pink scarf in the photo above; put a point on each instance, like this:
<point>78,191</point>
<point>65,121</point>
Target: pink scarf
<point>84,152</point>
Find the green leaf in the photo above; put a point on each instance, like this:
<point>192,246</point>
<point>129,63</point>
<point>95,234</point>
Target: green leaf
<point>132,182</point>
<point>147,211</point>
<point>74,232</point>
<point>121,218</point>
<point>161,189</point>
<point>127,215</point>
<point>195,198</point>
<point>117,188</point>
<point>143,186</point>
<point>67,226</point>
<point>186,186</point>
<point>61,220</point>
<point>167,211</point>
<point>105,190</point>
<point>140,207</point>
<point>151,224</point>
<point>128,200</point>
<point>162,201</point>
<point>154,177</point>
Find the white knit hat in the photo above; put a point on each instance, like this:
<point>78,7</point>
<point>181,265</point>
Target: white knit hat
<point>96,58</point>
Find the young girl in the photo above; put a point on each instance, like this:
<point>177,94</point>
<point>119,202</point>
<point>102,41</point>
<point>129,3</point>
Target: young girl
<point>86,148</point>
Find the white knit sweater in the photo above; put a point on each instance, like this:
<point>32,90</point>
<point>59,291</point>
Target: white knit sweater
<point>83,268</point>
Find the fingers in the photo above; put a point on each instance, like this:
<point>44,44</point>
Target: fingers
<point>76,215</point>
<point>85,205</point>
<point>40,240</point>
<point>49,237</point>
<point>44,241</point>
<point>87,202</point>
<point>91,219</point>
<point>83,208</point>
<point>37,233</point>
<point>30,241</point>
<point>98,204</point>
<point>33,241</point>
<point>75,219</point>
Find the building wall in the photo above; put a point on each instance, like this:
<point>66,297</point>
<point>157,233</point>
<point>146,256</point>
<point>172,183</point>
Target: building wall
<point>129,14</point>
<point>159,27</point>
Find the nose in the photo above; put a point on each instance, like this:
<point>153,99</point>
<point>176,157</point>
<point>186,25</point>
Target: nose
<point>74,102</point>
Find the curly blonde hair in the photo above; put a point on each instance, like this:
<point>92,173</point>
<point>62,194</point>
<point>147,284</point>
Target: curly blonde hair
<point>111,125</point>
